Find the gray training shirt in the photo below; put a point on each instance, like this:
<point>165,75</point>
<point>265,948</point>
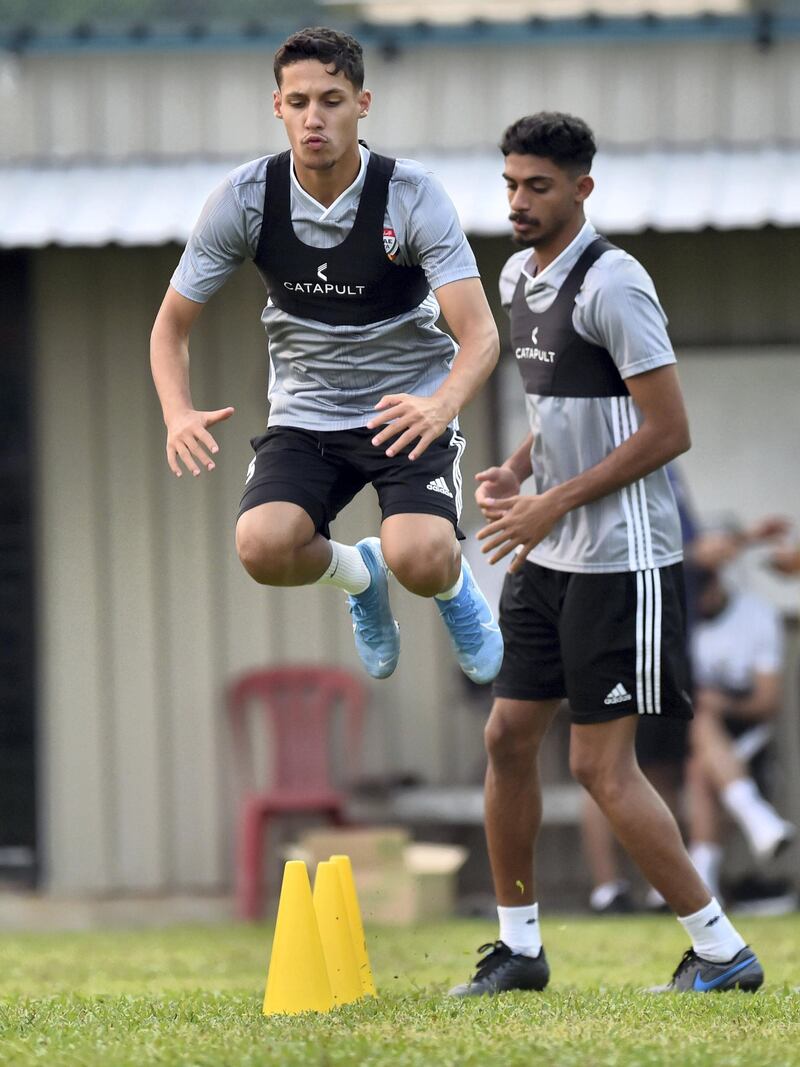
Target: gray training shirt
<point>325,377</point>
<point>636,528</point>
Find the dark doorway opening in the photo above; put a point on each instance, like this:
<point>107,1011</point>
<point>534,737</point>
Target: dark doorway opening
<point>18,857</point>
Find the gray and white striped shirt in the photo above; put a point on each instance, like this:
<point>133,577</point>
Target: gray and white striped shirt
<point>325,377</point>
<point>636,528</point>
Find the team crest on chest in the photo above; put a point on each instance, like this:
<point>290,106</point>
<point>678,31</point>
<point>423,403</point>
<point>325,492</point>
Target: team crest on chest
<point>390,243</point>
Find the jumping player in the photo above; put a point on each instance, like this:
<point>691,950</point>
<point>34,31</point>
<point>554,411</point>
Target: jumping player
<point>358,252</point>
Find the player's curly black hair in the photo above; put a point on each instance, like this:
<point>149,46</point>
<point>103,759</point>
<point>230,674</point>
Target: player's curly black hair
<point>331,47</point>
<point>564,139</point>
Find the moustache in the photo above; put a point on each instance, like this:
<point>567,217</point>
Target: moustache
<point>524,219</point>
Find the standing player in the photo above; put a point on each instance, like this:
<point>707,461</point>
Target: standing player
<point>364,388</point>
<point>592,608</point>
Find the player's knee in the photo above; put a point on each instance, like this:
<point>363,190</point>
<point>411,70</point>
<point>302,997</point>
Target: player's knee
<point>425,569</point>
<point>604,780</point>
<point>509,741</point>
<point>266,555</point>
<point>585,768</point>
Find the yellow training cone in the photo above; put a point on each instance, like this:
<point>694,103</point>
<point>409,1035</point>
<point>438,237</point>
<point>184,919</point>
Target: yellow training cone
<point>345,869</point>
<point>334,930</point>
<point>298,974</point>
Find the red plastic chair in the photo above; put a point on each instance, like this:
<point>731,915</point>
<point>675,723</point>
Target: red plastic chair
<point>297,706</point>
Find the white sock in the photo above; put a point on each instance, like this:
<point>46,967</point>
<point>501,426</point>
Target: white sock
<point>602,895</point>
<point>519,929</point>
<point>448,594</point>
<point>758,819</point>
<point>712,933</point>
<point>707,859</point>
<point>346,570</point>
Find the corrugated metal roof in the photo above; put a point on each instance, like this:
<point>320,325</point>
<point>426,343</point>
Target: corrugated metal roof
<point>762,27</point>
<point>152,204</point>
<point>510,10</point>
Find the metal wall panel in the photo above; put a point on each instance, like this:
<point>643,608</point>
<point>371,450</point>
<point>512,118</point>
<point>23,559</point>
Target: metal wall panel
<point>73,636</point>
<point>212,103</point>
<point>126,425</point>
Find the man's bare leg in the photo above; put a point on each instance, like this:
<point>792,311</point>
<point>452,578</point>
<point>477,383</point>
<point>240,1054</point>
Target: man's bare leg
<point>278,545</point>
<point>609,890</point>
<point>603,760</point>
<point>422,552</point>
<point>514,733</point>
<point>766,831</point>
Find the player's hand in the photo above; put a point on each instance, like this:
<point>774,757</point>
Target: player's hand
<point>188,439</point>
<point>496,485</point>
<point>408,419</point>
<point>769,529</point>
<point>786,559</point>
<point>714,549</point>
<point>521,522</point>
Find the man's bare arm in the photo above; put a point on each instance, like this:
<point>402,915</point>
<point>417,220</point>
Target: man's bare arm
<point>424,418</point>
<point>188,438</point>
<point>761,703</point>
<point>523,521</point>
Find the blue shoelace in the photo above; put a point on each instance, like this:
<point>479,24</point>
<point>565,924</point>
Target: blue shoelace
<point>360,608</point>
<point>461,616</point>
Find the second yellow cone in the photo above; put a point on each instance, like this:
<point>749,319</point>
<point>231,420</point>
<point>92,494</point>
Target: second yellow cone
<point>345,868</point>
<point>334,932</point>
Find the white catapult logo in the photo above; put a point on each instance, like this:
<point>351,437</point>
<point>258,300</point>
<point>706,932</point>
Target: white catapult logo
<point>323,287</point>
<point>532,351</point>
<point>618,695</point>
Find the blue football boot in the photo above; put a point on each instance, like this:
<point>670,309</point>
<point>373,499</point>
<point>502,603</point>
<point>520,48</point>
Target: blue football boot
<point>474,633</point>
<point>696,975</point>
<point>376,632</point>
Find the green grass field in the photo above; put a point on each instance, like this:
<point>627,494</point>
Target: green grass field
<point>192,996</point>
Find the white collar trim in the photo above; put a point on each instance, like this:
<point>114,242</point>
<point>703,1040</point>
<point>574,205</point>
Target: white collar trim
<point>357,182</point>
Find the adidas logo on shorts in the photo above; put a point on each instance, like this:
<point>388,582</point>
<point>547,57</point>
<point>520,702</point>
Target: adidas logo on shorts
<point>439,485</point>
<point>618,695</point>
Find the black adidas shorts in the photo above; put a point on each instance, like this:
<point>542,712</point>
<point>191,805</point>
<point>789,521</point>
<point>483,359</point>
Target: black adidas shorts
<point>612,644</point>
<point>321,472</point>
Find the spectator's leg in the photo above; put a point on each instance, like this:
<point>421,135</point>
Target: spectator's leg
<point>609,890</point>
<point>765,830</point>
<point>705,849</point>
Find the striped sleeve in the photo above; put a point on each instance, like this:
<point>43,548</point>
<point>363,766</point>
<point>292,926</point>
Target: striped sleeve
<point>428,227</point>
<point>618,309</point>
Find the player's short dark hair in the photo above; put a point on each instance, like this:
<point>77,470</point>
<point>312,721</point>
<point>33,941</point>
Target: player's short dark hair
<point>553,135</point>
<point>331,47</point>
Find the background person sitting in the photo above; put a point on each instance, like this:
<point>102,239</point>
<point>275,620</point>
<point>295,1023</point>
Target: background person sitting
<point>737,657</point>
